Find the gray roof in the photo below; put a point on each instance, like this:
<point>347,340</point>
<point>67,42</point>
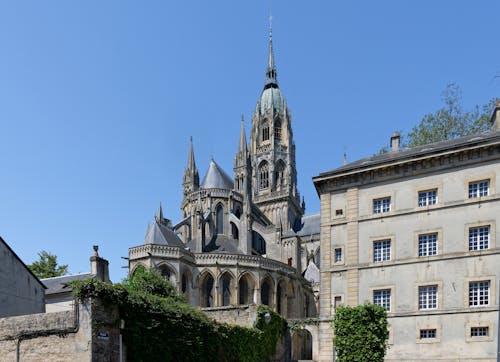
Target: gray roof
<point>218,244</point>
<point>160,233</point>
<point>216,178</point>
<point>429,149</point>
<point>61,284</point>
<point>309,225</point>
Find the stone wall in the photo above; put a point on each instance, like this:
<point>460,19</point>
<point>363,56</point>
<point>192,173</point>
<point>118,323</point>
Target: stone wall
<point>242,315</point>
<point>89,333</point>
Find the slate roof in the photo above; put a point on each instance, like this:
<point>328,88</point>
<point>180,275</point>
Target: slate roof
<point>407,154</point>
<point>61,284</point>
<point>310,224</point>
<point>218,244</point>
<point>216,178</point>
<point>159,233</point>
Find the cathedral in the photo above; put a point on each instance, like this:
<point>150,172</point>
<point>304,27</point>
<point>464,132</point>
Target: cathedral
<point>242,240</point>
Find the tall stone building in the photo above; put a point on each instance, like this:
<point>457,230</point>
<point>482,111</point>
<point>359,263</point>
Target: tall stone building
<point>242,241</point>
<point>415,231</point>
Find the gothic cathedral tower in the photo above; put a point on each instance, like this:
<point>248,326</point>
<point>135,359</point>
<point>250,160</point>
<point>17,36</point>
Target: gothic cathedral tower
<point>272,154</point>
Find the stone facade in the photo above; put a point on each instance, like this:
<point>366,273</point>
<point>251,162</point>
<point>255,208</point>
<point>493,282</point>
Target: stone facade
<point>21,292</point>
<point>87,333</point>
<point>417,232</point>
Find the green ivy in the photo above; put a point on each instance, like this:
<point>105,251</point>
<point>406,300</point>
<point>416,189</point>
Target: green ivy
<point>160,326</point>
<point>360,333</point>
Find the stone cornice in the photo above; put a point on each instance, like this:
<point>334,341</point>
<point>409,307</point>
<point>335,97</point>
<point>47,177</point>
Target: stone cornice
<point>414,165</point>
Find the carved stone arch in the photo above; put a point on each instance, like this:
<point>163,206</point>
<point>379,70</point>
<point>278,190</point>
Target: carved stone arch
<point>186,280</point>
<point>281,288</point>
<point>137,267</point>
<point>263,175</point>
<point>264,132</point>
<point>280,174</point>
<point>246,288</point>
<point>291,300</point>
<point>219,218</point>
<point>226,283</point>
<point>168,271</point>
<point>206,285</point>
<point>277,129</point>
<point>267,290</point>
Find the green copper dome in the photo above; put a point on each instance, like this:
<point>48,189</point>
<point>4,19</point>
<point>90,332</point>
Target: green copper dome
<point>271,98</point>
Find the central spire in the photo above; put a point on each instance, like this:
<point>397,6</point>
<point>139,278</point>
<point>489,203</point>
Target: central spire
<point>271,76</point>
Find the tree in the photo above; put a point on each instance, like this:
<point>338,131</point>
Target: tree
<point>449,122</point>
<point>47,266</point>
<point>360,333</point>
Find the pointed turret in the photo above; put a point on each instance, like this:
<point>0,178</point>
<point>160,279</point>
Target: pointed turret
<point>191,180</point>
<point>159,214</point>
<point>242,148</point>
<point>271,75</point>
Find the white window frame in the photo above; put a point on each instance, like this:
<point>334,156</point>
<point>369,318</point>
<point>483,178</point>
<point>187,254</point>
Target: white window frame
<point>381,205</point>
<point>476,331</point>
<point>382,297</point>
<point>428,244</point>
<point>479,189</point>
<point>428,297</point>
<point>381,250</point>
<point>427,197</point>
<point>428,333</point>
<point>479,237</point>
<point>479,293</point>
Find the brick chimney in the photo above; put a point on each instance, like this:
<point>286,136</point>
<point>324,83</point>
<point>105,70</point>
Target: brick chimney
<point>395,139</point>
<point>495,118</point>
<point>99,266</point>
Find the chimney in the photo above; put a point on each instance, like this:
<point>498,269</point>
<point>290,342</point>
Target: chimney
<point>395,138</point>
<point>495,118</point>
<point>99,266</point>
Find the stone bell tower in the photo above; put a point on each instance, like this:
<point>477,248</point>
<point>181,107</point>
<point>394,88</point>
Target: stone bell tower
<point>272,154</point>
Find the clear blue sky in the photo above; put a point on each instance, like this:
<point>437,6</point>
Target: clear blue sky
<point>98,99</point>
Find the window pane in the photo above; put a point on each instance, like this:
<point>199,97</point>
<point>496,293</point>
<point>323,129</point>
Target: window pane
<point>427,297</point>
<point>479,293</point>
<point>426,198</point>
<point>382,298</point>
<point>479,238</point>
<point>381,250</point>
<point>382,205</point>
<point>427,244</point>
<point>479,189</point>
<point>427,333</point>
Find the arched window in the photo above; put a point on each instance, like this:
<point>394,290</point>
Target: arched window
<point>234,231</point>
<point>265,293</point>
<point>243,290</point>
<point>220,219</point>
<point>207,298</point>
<point>280,175</point>
<point>165,272</point>
<point>184,283</point>
<point>264,175</point>
<point>265,132</point>
<point>279,298</point>
<point>226,289</point>
<point>277,130</point>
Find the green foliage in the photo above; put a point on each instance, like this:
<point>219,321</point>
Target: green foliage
<point>360,333</point>
<point>160,326</point>
<point>449,122</point>
<point>46,266</point>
